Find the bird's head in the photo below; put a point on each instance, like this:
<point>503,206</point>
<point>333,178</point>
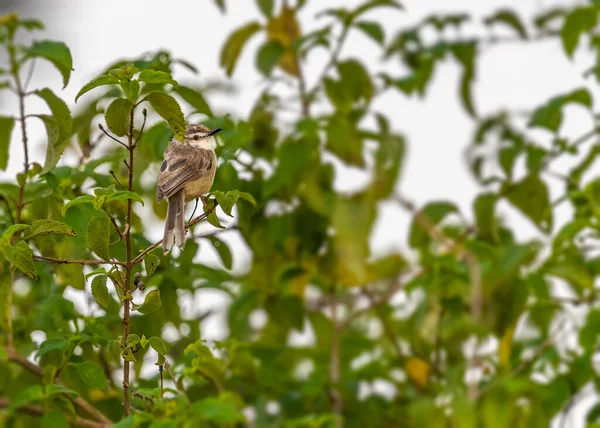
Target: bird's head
<point>201,136</point>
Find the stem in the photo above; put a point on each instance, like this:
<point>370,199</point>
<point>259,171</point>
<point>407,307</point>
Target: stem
<point>128,266</point>
<point>332,61</point>
<point>76,262</point>
<point>334,366</point>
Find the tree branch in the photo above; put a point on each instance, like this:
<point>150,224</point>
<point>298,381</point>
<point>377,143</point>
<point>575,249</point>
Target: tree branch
<point>75,262</point>
<point>14,357</point>
<point>34,410</point>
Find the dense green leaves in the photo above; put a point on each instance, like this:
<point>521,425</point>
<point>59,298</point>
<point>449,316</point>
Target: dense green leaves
<point>92,375</point>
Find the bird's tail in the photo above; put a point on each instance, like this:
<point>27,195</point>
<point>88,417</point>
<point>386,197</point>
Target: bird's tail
<point>175,225</point>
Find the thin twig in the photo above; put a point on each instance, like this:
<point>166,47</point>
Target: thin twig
<point>110,136</point>
<point>29,75</point>
<point>34,410</point>
<point>337,402</point>
<point>114,222</point>
<point>75,262</point>
<point>145,113</point>
<point>332,61</point>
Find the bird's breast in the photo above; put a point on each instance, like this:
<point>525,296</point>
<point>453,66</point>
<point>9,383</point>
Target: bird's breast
<point>194,189</point>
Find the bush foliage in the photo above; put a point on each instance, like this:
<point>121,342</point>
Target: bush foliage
<point>465,328</point>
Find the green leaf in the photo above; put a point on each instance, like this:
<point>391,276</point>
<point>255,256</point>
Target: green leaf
<point>373,30</point>
<point>54,419</point>
<point>577,22</point>
<point>6,127</point>
<point>166,106</point>
<point>158,344</point>
<point>92,375</point>
<point>52,344</point>
<point>21,256</point>
<point>125,195</point>
<point>195,99</point>
<point>57,53</point>
<point>60,112</point>
<point>485,216</point>
<point>222,250</point>
<point>530,196</point>
<point>369,5</point>
<point>226,201</point>
<point>48,227</point>
<point>151,302</point>
<point>154,76</point>
<point>268,56</point>
<point>248,197</point>
<point>266,7</point>
<point>221,5</point>
<point>132,340</point>
<point>549,116</point>
<point>433,213</point>
<point>105,79</point>
<point>465,54</point>
<point>509,18</point>
<point>11,230</point>
<point>131,89</point>
<point>97,236</point>
<point>56,145</point>
<point>84,199</point>
<point>345,141</point>
<point>117,116</point>
<point>232,48</point>
<point>220,412</point>
<point>26,396</point>
<point>151,262</point>
<point>212,218</point>
<point>100,291</point>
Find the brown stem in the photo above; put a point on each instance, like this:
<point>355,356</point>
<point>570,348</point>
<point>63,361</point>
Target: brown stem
<point>75,262</point>
<point>128,266</point>
<point>14,357</point>
<point>161,369</point>
<point>337,403</point>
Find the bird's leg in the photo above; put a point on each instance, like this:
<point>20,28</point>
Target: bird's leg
<point>193,212</point>
<point>203,197</point>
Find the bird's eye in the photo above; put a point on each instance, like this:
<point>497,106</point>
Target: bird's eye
<point>196,137</point>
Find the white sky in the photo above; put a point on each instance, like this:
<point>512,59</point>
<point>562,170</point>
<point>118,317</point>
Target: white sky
<point>437,128</point>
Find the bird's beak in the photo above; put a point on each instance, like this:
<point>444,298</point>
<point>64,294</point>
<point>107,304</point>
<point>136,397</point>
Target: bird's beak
<point>214,131</point>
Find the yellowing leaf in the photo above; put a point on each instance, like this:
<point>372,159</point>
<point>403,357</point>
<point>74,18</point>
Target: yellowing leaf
<point>418,371</point>
<point>285,29</point>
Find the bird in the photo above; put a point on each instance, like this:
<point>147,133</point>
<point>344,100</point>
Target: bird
<point>186,173</point>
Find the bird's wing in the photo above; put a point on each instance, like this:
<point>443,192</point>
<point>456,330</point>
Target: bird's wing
<point>182,164</point>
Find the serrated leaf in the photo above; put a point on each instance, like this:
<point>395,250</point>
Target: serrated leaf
<point>21,256</point>
<point>84,199</point>
<point>133,339</point>
<point>100,291</point>
<point>372,30</point>
<point>222,250</point>
<point>151,302</point>
<point>57,53</point>
<point>7,125</point>
<point>268,56</point>
<point>151,262</point>
<point>158,345</point>
<point>117,116</point>
<point>97,236</point>
<point>92,375</point>
<point>225,201</point>
<point>60,112</point>
<point>56,145</point>
<point>168,108</point>
<point>232,48</point>
<point>131,89</point>
<point>154,76</point>
<point>195,99</point>
<point>509,18</point>
<point>11,230</point>
<point>105,79</point>
<point>52,344</point>
<point>46,228</point>
<point>124,195</point>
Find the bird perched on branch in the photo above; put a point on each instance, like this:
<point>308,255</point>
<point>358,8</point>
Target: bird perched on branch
<point>187,173</point>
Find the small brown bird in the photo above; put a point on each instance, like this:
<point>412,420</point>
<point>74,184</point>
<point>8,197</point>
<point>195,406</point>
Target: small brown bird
<point>187,173</point>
